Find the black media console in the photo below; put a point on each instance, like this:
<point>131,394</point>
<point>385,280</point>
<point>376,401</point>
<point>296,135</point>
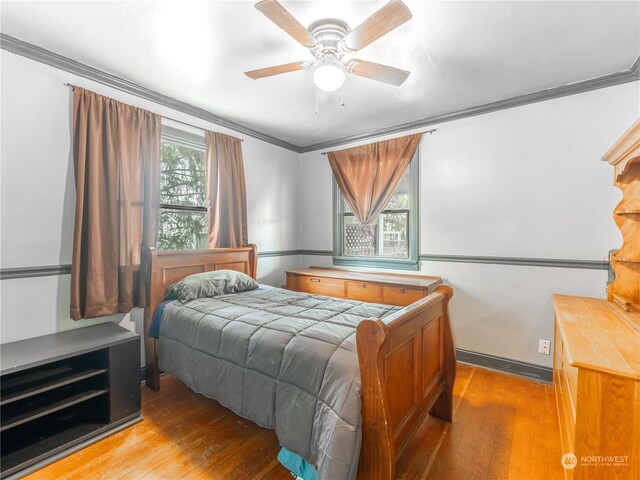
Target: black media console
<point>61,392</point>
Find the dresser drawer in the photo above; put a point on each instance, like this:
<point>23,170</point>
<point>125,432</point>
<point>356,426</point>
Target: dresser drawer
<point>374,287</point>
<point>364,291</point>
<point>568,411</point>
<point>567,422</point>
<point>571,376</point>
<point>332,287</point>
<point>401,296</point>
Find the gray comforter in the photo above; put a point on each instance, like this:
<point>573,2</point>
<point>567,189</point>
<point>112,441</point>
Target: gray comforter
<point>285,360</point>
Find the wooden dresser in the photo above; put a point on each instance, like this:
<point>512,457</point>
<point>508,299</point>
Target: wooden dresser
<point>389,288</point>
<point>596,373</point>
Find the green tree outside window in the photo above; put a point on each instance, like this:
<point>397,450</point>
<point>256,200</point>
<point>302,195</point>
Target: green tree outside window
<point>183,213</point>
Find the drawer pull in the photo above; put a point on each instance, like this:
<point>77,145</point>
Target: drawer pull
<point>363,285</point>
<point>402,290</point>
<point>317,280</point>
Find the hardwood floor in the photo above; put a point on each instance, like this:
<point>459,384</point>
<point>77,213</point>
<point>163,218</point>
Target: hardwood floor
<point>503,427</point>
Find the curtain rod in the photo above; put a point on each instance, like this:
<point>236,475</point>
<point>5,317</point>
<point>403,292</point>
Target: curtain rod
<point>430,132</point>
<point>163,116</point>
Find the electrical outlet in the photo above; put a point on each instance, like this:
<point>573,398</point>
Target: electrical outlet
<point>544,347</point>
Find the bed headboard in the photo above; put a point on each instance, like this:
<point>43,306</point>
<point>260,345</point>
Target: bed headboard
<point>161,269</point>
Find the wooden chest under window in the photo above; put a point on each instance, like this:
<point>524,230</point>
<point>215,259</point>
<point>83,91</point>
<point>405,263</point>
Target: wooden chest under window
<point>388,288</point>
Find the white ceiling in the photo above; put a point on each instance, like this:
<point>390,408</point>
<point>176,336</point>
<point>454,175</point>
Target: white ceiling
<point>460,54</point>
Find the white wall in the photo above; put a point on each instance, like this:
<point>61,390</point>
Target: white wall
<point>38,196</point>
<point>523,182</point>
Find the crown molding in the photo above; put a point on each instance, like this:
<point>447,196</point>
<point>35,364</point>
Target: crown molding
<point>631,75</point>
<point>39,54</point>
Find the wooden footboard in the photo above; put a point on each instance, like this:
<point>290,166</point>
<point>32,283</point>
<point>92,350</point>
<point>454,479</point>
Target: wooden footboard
<point>408,367</point>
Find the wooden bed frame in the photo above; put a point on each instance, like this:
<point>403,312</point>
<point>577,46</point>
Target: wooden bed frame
<point>407,362</point>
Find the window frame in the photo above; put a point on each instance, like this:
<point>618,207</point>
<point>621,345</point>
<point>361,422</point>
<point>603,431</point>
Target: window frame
<point>413,227</point>
<point>188,140</point>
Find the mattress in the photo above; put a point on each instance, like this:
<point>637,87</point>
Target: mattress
<point>285,360</point>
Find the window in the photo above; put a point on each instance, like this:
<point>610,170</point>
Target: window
<point>392,242</point>
<point>183,222</point>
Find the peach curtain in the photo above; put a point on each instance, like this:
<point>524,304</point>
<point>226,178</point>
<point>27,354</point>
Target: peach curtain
<point>368,175</point>
<point>116,149</point>
<point>226,191</point>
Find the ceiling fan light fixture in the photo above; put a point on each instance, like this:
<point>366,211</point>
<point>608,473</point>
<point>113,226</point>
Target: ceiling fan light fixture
<point>329,77</point>
<point>330,40</point>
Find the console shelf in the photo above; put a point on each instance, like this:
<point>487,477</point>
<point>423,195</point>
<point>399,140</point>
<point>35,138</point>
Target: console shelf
<point>60,392</point>
<point>626,260</point>
<point>631,213</point>
<point>45,446</point>
<point>39,382</point>
<point>45,405</point>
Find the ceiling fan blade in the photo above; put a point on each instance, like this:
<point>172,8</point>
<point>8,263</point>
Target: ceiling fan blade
<point>391,16</point>
<point>377,71</point>
<point>276,70</point>
<point>287,22</point>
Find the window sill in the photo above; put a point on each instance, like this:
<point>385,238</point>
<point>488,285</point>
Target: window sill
<point>377,262</point>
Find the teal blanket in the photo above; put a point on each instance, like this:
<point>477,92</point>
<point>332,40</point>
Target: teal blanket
<point>297,465</point>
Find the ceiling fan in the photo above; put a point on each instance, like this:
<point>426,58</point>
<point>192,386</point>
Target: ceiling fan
<point>330,41</point>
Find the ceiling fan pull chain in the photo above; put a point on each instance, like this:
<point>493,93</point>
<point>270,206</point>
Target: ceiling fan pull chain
<point>316,100</point>
<point>342,95</point>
